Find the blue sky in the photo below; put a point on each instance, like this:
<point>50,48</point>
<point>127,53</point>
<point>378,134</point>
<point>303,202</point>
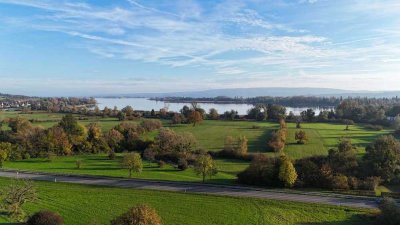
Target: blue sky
<point>67,47</point>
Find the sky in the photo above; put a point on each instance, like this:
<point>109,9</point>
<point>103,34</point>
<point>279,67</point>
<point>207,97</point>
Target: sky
<point>97,47</point>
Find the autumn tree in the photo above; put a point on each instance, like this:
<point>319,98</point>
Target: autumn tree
<point>138,215</point>
<point>133,162</point>
<point>301,137</point>
<point>195,117</point>
<point>229,144</point>
<point>205,166</point>
<point>241,148</point>
<point>287,172</point>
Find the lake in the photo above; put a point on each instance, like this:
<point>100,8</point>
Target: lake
<point>148,105</point>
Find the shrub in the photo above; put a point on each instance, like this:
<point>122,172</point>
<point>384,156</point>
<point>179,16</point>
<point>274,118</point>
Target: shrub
<point>161,164</point>
<point>374,127</point>
<point>27,156</point>
<point>45,217</point>
<point>183,164</point>
<point>139,215</point>
<point>78,163</point>
<point>112,155</point>
<point>150,125</point>
<point>370,183</point>
<point>353,183</point>
<point>149,154</point>
<point>340,182</point>
<point>390,212</point>
<point>51,156</point>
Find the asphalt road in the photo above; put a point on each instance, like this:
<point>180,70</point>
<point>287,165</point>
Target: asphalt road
<point>337,200</point>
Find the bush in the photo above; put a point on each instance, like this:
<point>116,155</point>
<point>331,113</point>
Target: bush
<point>149,154</point>
<point>139,215</point>
<point>340,182</point>
<point>374,127</point>
<point>390,212</point>
<point>78,163</point>
<point>45,217</point>
<point>370,183</point>
<point>161,164</point>
<point>27,156</point>
<point>183,164</point>
<point>112,155</point>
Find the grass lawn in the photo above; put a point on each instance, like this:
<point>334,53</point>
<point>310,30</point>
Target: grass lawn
<point>83,205</point>
<point>101,165</point>
<point>211,133</point>
<point>323,136</point>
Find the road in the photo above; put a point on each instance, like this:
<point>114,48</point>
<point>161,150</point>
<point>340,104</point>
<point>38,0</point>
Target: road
<point>234,191</point>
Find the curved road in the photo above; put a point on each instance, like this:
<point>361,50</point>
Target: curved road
<point>235,191</point>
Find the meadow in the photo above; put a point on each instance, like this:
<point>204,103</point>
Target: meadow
<point>211,133</point>
<point>84,204</point>
<point>102,165</point>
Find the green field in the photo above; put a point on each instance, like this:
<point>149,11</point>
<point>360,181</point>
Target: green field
<point>323,136</point>
<point>211,134</point>
<point>101,165</point>
<point>83,205</point>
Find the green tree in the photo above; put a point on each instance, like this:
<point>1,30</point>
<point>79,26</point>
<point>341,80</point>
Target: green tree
<point>382,158</point>
<point>343,159</point>
<point>287,172</point>
<point>133,162</point>
<point>213,114</point>
<point>205,166</point>
<point>17,194</point>
<point>138,215</point>
<point>5,150</point>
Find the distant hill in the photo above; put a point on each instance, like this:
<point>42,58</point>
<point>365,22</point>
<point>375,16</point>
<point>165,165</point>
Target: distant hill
<point>254,92</point>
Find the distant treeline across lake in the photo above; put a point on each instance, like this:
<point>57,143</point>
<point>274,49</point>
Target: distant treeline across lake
<point>147,105</point>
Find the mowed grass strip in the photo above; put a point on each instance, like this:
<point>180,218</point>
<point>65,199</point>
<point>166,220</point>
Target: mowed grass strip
<point>102,165</point>
<point>84,204</point>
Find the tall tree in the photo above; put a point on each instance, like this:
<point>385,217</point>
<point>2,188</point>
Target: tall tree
<point>343,159</point>
<point>382,158</point>
<point>287,172</point>
<point>205,166</point>
<point>195,117</point>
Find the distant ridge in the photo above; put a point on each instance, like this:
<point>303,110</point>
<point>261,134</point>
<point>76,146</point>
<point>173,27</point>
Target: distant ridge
<point>254,92</point>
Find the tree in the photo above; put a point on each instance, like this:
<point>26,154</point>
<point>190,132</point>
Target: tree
<point>5,150</point>
<point>56,140</point>
<point>17,194</point>
<point>343,159</point>
<point>195,117</point>
<point>128,110</point>
<point>177,118</point>
<point>138,215</point>
<point>382,158</point>
<point>205,166</point>
<point>241,148</point>
<point>45,217</point>
<point>308,115</point>
<point>114,138</point>
<point>301,137</point>
<point>213,114</point>
<point>229,144</point>
<point>263,170</point>
<point>390,212</point>
<point>287,172</point>
<point>133,162</point>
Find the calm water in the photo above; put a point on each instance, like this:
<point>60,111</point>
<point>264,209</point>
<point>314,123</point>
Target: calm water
<point>146,104</point>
